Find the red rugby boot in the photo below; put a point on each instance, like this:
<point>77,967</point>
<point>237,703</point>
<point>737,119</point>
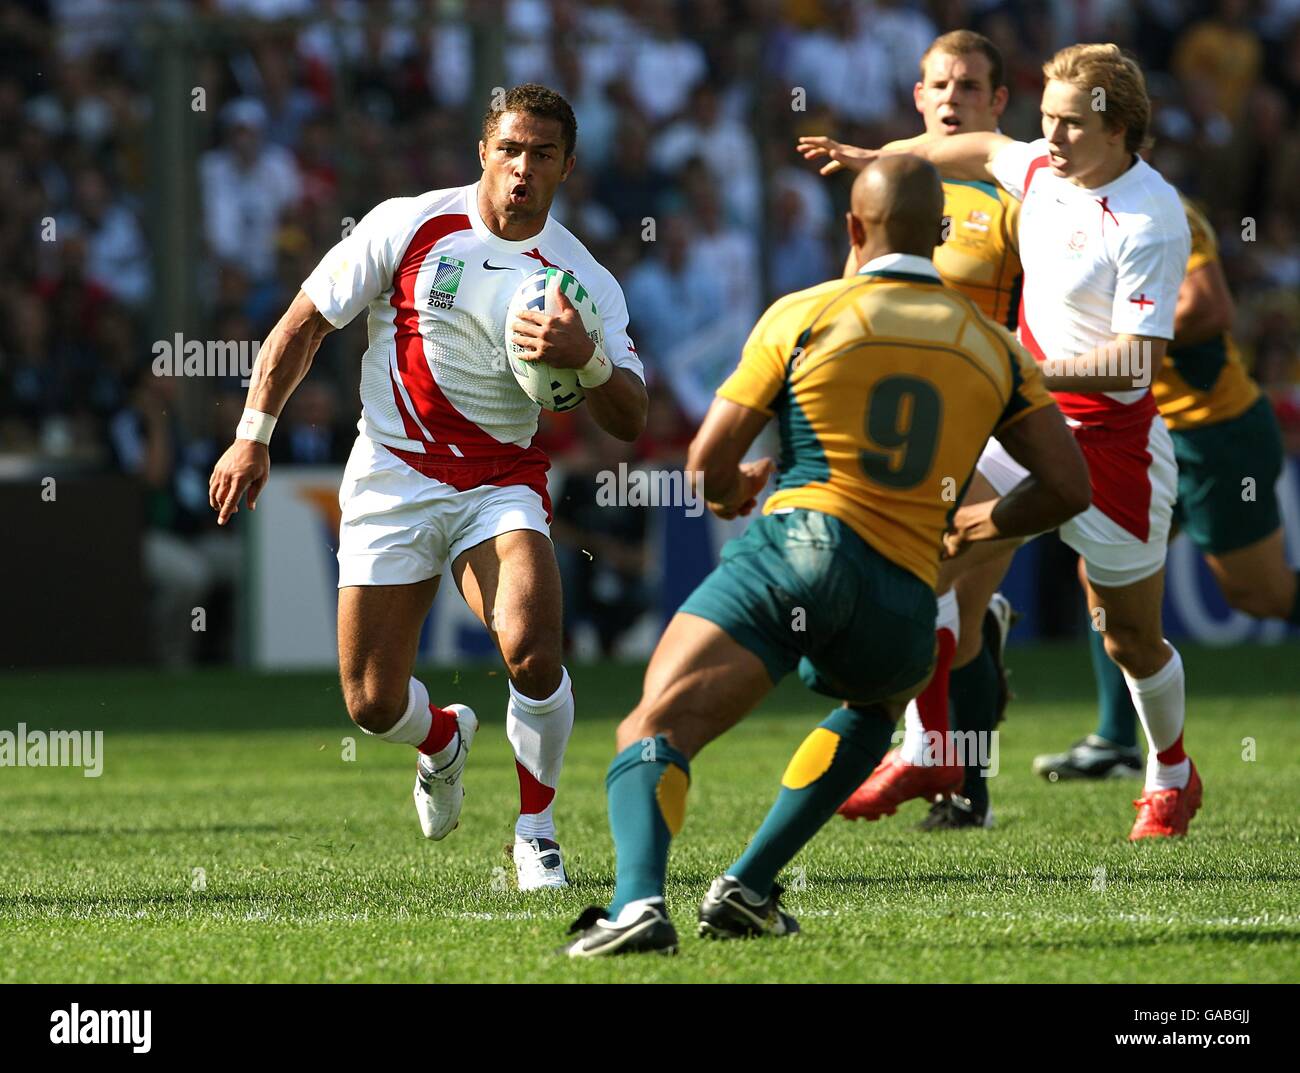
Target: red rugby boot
<point>1166,813</point>
<point>894,782</point>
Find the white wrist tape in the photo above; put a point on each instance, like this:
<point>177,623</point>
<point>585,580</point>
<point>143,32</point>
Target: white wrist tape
<point>597,370</point>
<point>255,425</point>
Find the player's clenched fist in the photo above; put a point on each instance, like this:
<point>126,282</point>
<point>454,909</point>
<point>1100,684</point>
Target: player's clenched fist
<point>751,479</point>
<point>243,468</point>
<point>558,339</point>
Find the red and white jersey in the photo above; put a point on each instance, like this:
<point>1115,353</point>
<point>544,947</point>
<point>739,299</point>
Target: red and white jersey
<point>1098,263</point>
<point>436,283</point>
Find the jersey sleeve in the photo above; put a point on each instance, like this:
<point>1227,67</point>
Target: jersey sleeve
<point>1028,388</point>
<point>761,372</point>
<point>612,306</point>
<point>1013,165</point>
<point>358,269</point>
<point>1151,263</point>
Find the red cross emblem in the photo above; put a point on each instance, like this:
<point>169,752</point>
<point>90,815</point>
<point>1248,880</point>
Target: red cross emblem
<point>536,255</point>
<point>1142,301</point>
<point>1104,202</point>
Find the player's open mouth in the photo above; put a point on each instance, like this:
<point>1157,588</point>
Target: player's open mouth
<point>950,121</point>
<point>519,194</point>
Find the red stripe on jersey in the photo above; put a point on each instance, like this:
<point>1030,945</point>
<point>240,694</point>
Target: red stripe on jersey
<point>1034,165</point>
<point>1119,471</point>
<point>527,466</point>
<point>446,424</point>
<point>1094,408</point>
<point>408,422</point>
<point>1113,438</point>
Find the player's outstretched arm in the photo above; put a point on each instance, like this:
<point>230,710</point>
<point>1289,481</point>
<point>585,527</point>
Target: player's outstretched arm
<point>1056,489</point>
<point>730,487</point>
<point>956,156</point>
<point>281,364</point>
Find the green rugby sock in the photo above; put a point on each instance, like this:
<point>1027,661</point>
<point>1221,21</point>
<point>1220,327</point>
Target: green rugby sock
<point>646,784</point>
<point>829,765</point>
<point>1294,617</point>
<point>1116,717</point>
<point>973,690</point>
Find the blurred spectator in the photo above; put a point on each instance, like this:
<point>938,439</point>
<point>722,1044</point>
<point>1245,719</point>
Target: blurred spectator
<point>725,145</point>
<point>185,559</point>
<point>671,295</point>
<point>1223,51</point>
<point>796,256</point>
<point>665,65</point>
<point>309,432</point>
<point>632,187</point>
<point>729,254</point>
<point>844,66</point>
<point>247,186</point>
<point>117,256</point>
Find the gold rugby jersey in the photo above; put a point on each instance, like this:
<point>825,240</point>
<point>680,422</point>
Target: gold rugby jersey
<point>981,256</point>
<point>885,387</point>
<point>1205,383</point>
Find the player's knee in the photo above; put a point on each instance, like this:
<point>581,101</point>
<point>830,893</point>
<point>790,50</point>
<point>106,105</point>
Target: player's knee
<point>373,708</point>
<point>1134,651</point>
<point>535,673</point>
<point>1254,601</point>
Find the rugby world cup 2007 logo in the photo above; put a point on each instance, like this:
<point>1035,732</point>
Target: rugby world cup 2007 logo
<point>446,278</point>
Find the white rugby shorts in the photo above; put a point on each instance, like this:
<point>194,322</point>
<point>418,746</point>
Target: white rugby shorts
<point>400,526</point>
<point>1113,555</point>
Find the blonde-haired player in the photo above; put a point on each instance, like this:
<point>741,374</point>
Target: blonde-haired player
<point>1104,244</point>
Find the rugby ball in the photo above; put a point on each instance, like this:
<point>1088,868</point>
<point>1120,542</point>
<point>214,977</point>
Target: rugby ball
<point>552,389</point>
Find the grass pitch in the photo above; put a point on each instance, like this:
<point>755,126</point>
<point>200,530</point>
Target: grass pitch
<point>313,868</point>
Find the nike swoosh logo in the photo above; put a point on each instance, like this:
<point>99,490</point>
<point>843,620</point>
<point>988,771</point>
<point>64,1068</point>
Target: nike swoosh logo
<point>495,268</point>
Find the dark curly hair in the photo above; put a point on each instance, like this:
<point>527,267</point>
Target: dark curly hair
<point>536,100</point>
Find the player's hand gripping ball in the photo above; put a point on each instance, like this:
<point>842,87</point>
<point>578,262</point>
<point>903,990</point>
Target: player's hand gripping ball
<point>552,387</point>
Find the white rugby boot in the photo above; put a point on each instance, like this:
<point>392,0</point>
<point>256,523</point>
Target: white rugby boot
<point>438,792</point>
<point>538,864</point>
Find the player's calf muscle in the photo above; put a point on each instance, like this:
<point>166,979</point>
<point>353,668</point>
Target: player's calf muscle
<point>379,631</point>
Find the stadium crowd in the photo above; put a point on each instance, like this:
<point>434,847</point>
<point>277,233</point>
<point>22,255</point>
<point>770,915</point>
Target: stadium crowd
<point>688,188</point>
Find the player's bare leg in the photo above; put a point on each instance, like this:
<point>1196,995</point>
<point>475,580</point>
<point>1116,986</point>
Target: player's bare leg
<point>1256,580</point>
<point>379,632</point>
<point>512,583</point>
<point>1129,620</point>
<point>700,683</point>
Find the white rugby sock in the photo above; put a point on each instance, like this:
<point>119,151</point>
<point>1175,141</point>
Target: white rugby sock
<point>538,731</point>
<point>413,727</point>
<point>1159,700</point>
<point>915,749</point>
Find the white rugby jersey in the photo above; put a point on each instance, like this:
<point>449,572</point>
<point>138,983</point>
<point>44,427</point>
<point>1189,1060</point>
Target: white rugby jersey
<point>435,283</point>
<point>1098,263</point>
